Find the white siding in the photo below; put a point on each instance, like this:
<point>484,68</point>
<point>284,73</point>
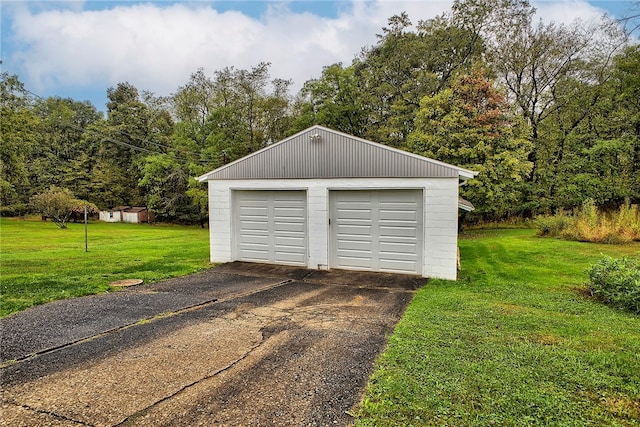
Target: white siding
<point>131,217</point>
<point>441,230</point>
<point>110,216</point>
<point>440,206</point>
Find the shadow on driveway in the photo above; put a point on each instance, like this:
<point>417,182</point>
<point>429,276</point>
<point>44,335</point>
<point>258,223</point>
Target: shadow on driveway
<point>241,344</point>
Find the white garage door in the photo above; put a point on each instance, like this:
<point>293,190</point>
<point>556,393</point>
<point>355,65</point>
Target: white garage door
<point>377,230</point>
<point>271,226</point>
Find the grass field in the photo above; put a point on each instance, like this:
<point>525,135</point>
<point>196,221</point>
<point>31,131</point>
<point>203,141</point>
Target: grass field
<point>514,342</point>
<point>40,262</point>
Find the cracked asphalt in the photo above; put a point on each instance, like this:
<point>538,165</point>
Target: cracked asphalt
<point>238,345</point>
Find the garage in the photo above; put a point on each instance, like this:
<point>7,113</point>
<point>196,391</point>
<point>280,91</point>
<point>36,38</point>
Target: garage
<point>323,199</point>
<point>271,226</point>
<point>377,230</point>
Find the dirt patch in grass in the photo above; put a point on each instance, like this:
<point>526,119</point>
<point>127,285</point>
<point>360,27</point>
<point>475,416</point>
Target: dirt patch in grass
<point>510,309</point>
<point>623,407</point>
<point>547,339</point>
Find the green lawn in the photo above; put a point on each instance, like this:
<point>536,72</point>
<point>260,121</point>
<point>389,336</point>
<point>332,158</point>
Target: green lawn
<point>40,262</point>
<point>514,342</point>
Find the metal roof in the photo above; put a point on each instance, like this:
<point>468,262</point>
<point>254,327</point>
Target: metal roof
<point>319,152</point>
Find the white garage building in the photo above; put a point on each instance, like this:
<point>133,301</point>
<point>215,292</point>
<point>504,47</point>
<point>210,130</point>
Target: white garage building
<point>323,199</point>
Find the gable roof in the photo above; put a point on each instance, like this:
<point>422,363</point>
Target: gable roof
<point>319,152</point>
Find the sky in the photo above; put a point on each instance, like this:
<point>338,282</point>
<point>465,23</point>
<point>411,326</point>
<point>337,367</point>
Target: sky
<point>78,49</point>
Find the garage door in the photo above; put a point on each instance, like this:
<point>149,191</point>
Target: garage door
<point>270,226</point>
<point>377,230</point>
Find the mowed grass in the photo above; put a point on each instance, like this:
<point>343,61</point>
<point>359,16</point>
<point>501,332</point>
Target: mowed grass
<point>516,341</point>
<point>40,262</point>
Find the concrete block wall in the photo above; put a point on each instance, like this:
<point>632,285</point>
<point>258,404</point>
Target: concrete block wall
<point>441,228</point>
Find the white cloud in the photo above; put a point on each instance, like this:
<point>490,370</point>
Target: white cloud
<point>566,11</point>
<point>156,46</point>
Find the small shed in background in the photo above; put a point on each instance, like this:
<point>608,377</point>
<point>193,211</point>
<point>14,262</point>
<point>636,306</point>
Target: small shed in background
<point>130,214</point>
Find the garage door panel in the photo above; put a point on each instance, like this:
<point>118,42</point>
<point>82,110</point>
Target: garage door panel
<point>271,226</point>
<point>352,262</point>
<point>402,249</point>
<point>386,236</point>
<point>393,256</point>
<point>255,255</point>
<point>255,239</point>
<point>290,241</point>
<point>294,213</point>
<point>357,214</point>
<point>398,215</point>
<point>354,245</point>
<point>289,258</point>
<point>249,225</point>
<point>290,228</point>
<point>253,211</point>
<point>348,231</point>
<point>391,232</point>
<point>400,266</point>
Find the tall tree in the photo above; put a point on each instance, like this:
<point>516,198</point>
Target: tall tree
<point>137,125</point>
<point>232,114</point>
<point>18,136</point>
<point>61,143</point>
<point>166,184</point>
<point>333,100</point>
<point>469,125</point>
<point>551,71</point>
<point>378,95</point>
<point>597,141</point>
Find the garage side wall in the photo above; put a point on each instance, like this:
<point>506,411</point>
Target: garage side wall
<point>220,222</point>
<point>441,229</point>
<point>440,216</point>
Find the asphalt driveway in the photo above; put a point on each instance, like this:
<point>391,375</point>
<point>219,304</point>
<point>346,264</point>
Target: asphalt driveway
<point>241,344</point>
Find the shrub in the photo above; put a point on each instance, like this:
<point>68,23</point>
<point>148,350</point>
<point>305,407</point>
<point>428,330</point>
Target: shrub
<point>59,205</point>
<point>18,209</point>
<point>617,282</point>
<point>553,226</point>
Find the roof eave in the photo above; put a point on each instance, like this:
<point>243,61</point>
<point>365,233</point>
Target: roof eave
<point>466,174</point>
<point>465,205</point>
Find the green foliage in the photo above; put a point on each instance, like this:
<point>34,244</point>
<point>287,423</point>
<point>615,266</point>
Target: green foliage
<point>165,184</point>
<point>552,226</point>
<point>616,282</point>
<point>405,66</point>
<point>334,101</point>
<point>17,138</point>
<point>469,125</point>
<point>62,156</point>
<point>40,264</point>
<point>512,343</point>
<point>548,113</point>
<point>56,204</point>
<point>79,207</point>
<point>59,205</point>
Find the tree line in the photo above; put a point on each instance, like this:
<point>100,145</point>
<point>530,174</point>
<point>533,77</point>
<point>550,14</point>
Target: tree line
<point>547,113</point>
